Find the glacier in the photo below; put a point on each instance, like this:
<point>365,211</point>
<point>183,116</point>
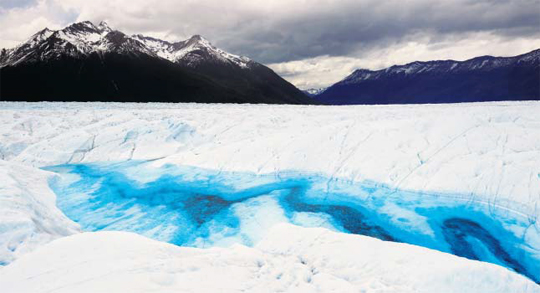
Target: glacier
<point>204,208</point>
<point>289,259</point>
<point>449,179</point>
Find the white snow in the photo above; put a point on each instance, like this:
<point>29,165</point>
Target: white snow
<point>315,91</point>
<point>186,51</point>
<point>161,48</point>
<point>487,152</point>
<point>94,39</point>
<point>28,214</point>
<point>289,259</point>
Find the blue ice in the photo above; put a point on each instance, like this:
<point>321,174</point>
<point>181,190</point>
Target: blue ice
<point>197,207</point>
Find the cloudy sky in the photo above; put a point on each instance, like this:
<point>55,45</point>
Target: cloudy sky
<point>312,43</point>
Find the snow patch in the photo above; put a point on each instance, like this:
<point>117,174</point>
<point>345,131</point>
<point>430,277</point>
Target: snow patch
<point>310,260</point>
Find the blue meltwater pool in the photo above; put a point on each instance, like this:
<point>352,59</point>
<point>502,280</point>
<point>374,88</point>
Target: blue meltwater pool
<point>201,208</point>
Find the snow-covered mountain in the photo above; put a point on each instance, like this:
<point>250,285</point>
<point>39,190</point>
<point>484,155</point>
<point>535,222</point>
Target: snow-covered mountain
<point>314,91</point>
<point>193,51</point>
<point>483,78</point>
<point>108,64</point>
<point>484,63</point>
<point>85,38</point>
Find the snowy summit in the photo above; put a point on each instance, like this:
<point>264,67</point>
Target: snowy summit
<point>84,38</point>
<point>87,62</point>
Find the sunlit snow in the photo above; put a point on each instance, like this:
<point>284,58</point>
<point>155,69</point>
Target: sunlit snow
<point>222,184</point>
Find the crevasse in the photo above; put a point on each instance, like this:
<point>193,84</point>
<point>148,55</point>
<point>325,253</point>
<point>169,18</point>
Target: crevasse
<point>190,206</point>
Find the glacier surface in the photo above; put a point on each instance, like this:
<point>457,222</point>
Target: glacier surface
<point>463,179</point>
<point>288,259</point>
<point>204,208</point>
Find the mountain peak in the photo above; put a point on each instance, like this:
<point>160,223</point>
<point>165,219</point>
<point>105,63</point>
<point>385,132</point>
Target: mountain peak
<point>86,23</point>
<point>86,27</point>
<point>484,78</point>
<point>357,75</point>
<point>81,26</point>
<point>43,31</point>
<point>42,34</point>
<point>314,91</point>
<point>83,38</point>
<point>196,38</point>
<point>362,70</point>
<point>103,26</point>
<point>114,66</point>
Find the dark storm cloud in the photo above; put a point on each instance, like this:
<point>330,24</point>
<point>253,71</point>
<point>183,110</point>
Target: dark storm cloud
<point>305,39</point>
<point>348,28</point>
<point>280,31</point>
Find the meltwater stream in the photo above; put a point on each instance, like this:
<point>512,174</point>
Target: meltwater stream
<point>197,207</point>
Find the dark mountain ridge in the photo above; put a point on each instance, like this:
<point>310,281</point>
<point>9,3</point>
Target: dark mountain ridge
<point>479,79</point>
<point>85,62</point>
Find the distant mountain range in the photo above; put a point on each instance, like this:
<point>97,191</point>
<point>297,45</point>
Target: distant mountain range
<point>314,91</point>
<point>87,62</point>
<point>479,79</point>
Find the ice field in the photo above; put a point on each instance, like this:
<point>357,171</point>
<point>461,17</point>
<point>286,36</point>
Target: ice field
<point>229,180</point>
<point>193,207</point>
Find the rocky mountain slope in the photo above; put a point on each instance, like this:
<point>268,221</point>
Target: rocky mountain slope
<point>85,62</point>
<point>479,79</point>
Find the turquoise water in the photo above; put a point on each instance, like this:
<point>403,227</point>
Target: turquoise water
<point>201,208</point>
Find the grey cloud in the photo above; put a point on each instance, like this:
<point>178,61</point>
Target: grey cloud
<point>353,27</point>
<point>282,31</point>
